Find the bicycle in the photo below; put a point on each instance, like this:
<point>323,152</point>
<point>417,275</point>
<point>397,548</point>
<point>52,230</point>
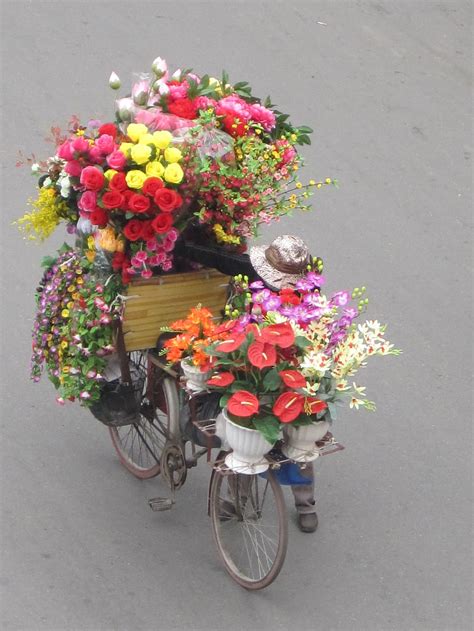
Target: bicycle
<point>248,512</point>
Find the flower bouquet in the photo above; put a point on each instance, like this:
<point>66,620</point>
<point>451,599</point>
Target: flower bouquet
<point>187,157</point>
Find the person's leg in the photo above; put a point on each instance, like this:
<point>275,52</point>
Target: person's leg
<point>304,500</point>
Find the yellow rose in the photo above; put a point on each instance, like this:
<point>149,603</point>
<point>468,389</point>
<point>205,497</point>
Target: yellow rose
<point>173,173</point>
<point>136,130</point>
<point>155,169</point>
<point>146,139</point>
<point>162,139</point>
<point>135,178</point>
<point>140,153</point>
<point>172,154</point>
<point>109,174</point>
<point>125,147</point>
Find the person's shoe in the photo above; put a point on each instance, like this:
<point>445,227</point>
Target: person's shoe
<point>307,522</point>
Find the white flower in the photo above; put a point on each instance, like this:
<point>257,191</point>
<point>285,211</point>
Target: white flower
<point>176,76</point>
<point>35,168</point>
<point>355,403</point>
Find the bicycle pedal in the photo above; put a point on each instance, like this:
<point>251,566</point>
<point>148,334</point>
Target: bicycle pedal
<point>160,503</point>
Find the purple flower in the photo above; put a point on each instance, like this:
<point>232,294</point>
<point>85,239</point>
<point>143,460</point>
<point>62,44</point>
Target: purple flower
<point>350,312</point>
<point>303,284</point>
<point>261,295</point>
<point>257,285</point>
<point>272,303</point>
<point>340,298</point>
<point>312,299</point>
<point>317,279</point>
<point>337,337</point>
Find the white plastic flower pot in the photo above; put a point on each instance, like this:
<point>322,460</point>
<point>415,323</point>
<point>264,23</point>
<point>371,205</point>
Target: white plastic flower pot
<point>249,447</point>
<point>221,424</point>
<point>195,378</point>
<point>300,442</point>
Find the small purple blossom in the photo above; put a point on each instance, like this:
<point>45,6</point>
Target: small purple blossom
<point>272,303</point>
<point>340,298</point>
<point>258,284</point>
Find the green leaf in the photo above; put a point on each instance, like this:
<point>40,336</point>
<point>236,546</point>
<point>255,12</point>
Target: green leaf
<point>305,130</point>
<point>272,380</point>
<point>224,399</point>
<point>302,342</point>
<point>269,427</point>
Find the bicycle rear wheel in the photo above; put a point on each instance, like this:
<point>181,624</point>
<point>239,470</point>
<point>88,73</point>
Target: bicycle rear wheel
<point>250,526</point>
<point>139,446</point>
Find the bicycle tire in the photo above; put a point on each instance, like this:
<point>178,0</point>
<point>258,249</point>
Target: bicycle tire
<point>251,554</point>
<point>139,445</point>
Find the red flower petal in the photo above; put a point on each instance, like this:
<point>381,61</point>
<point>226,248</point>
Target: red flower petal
<point>243,403</point>
<point>280,334</point>
<point>313,406</point>
<point>232,343</point>
<point>288,406</point>
<point>221,379</point>
<point>292,379</point>
<point>262,355</point>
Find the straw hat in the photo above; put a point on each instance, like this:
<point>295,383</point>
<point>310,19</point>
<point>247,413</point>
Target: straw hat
<point>281,263</point>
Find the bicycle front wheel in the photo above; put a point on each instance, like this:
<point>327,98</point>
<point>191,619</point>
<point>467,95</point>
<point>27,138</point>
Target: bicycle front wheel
<point>250,526</point>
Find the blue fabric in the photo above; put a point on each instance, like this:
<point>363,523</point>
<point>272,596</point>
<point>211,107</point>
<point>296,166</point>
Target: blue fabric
<point>289,473</point>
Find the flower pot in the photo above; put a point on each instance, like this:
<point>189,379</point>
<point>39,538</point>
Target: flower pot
<point>249,447</point>
<point>195,378</point>
<point>300,442</point>
<point>221,424</point>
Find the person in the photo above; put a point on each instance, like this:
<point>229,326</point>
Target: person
<point>279,266</point>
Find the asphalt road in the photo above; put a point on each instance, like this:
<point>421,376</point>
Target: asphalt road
<point>386,85</point>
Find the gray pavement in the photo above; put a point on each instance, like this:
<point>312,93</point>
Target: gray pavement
<point>386,85</point>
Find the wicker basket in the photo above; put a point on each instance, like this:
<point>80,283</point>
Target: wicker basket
<point>156,302</point>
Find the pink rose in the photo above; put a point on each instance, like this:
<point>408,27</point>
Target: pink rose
<point>95,155</point>
<point>178,90</point>
<point>92,178</point>
<point>116,160</point>
<point>65,151</point>
<point>73,168</point>
<point>88,201</point>
<point>147,273</point>
<point>262,115</point>
<point>80,144</point>
<point>204,102</point>
<point>105,143</point>
<point>235,107</point>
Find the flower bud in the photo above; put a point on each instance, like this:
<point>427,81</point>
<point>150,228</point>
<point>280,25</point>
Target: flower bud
<point>176,76</point>
<point>163,89</point>
<point>114,81</point>
<point>159,67</point>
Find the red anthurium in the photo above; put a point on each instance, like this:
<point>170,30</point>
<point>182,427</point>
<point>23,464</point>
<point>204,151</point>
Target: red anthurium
<point>313,406</point>
<point>232,343</point>
<point>227,325</point>
<point>292,379</point>
<point>288,406</point>
<point>262,354</point>
<point>221,379</point>
<point>280,334</point>
<point>243,403</point>
<point>255,330</point>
